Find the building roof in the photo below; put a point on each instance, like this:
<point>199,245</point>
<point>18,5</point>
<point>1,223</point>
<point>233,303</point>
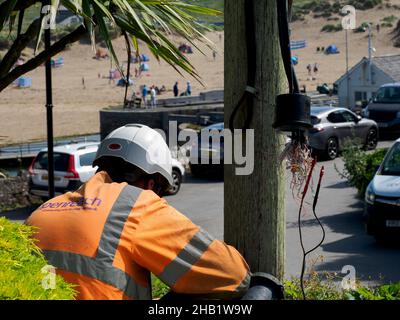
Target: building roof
<point>390,65</point>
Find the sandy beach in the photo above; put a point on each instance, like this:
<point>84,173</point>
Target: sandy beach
<point>332,67</point>
<point>76,106</point>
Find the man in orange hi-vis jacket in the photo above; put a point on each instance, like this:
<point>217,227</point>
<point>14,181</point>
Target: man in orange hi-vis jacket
<point>110,234</point>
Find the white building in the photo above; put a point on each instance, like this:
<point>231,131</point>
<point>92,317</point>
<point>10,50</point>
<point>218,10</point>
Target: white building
<point>365,78</point>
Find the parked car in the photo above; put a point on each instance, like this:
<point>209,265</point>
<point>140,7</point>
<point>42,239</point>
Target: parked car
<point>73,167</point>
<point>333,126</point>
<point>382,198</point>
<point>384,108</point>
<point>206,151</point>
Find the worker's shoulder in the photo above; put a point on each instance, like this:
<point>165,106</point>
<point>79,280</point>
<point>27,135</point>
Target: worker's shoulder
<point>149,196</point>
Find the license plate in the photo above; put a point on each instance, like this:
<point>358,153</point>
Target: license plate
<point>393,223</point>
<point>383,125</point>
<point>46,177</point>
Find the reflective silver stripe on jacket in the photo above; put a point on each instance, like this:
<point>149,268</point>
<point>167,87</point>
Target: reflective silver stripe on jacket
<point>96,269</point>
<point>189,255</point>
<point>101,267</point>
<point>245,284</point>
<point>114,225</point>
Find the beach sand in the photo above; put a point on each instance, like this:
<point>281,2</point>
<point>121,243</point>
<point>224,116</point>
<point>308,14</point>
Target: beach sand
<point>332,67</point>
<point>23,112</point>
<point>76,107</point>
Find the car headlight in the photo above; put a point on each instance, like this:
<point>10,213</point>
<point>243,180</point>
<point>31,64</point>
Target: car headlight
<point>369,196</point>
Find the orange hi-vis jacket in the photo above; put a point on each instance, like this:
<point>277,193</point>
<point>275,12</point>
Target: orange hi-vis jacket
<point>107,237</point>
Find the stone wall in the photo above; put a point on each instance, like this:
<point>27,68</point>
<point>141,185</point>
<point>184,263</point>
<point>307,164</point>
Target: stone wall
<point>14,192</point>
<point>158,118</point>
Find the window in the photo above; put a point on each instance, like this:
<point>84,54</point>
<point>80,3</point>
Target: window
<point>388,95</point>
<point>60,161</point>
<point>349,117</point>
<point>360,96</point>
<point>336,117</point>
<point>87,159</point>
<point>391,166</point>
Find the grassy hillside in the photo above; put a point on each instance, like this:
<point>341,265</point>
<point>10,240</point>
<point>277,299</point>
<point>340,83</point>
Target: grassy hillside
<point>214,4</point>
<point>328,8</point>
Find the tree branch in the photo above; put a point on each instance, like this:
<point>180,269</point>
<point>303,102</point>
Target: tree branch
<point>19,44</point>
<point>42,57</point>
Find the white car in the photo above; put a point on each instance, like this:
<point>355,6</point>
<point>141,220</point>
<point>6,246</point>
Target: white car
<point>382,198</point>
<point>73,167</point>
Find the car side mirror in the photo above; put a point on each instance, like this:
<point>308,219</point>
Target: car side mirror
<point>359,118</point>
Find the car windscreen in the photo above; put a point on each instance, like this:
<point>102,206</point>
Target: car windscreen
<point>87,159</point>
<point>391,165</point>
<point>60,161</point>
<point>388,95</point>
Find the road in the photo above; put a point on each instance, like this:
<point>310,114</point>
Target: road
<point>339,209</point>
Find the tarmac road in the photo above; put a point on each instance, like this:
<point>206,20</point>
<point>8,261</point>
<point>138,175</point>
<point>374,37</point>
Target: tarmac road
<point>339,209</point>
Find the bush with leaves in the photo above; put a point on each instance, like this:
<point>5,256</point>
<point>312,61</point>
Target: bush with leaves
<point>332,28</point>
<point>360,166</point>
<point>362,28</point>
<point>21,265</point>
<point>364,4</point>
<point>326,286</point>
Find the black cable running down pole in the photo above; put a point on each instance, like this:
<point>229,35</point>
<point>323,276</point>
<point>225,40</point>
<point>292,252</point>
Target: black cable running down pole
<point>284,39</point>
<point>128,47</point>
<point>49,109</point>
<point>247,98</point>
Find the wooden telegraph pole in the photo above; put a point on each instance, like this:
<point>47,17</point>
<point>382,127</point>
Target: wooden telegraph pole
<point>254,204</point>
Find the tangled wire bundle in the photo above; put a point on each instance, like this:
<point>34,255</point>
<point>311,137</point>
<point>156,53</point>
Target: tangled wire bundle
<point>299,162</point>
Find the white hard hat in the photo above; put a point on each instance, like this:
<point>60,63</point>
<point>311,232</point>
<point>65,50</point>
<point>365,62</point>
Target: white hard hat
<point>141,146</point>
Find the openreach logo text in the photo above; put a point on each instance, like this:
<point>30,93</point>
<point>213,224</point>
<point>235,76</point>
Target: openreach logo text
<point>212,146</point>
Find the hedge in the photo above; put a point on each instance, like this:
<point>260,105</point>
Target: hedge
<point>21,265</point>
<point>360,166</point>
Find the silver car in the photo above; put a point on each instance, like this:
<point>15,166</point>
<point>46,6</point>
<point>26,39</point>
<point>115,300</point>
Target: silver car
<point>334,126</point>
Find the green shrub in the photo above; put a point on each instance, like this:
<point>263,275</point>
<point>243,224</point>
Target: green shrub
<point>21,264</point>
<point>365,4</point>
<point>316,287</point>
<point>386,25</point>
<point>326,286</point>
<point>362,28</point>
<point>323,15</point>
<point>332,28</point>
<point>159,289</point>
<point>385,292</point>
<point>390,19</point>
<point>360,166</point>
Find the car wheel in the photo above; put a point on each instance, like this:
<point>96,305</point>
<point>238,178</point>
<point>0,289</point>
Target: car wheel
<point>372,139</point>
<point>332,148</point>
<point>176,181</point>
